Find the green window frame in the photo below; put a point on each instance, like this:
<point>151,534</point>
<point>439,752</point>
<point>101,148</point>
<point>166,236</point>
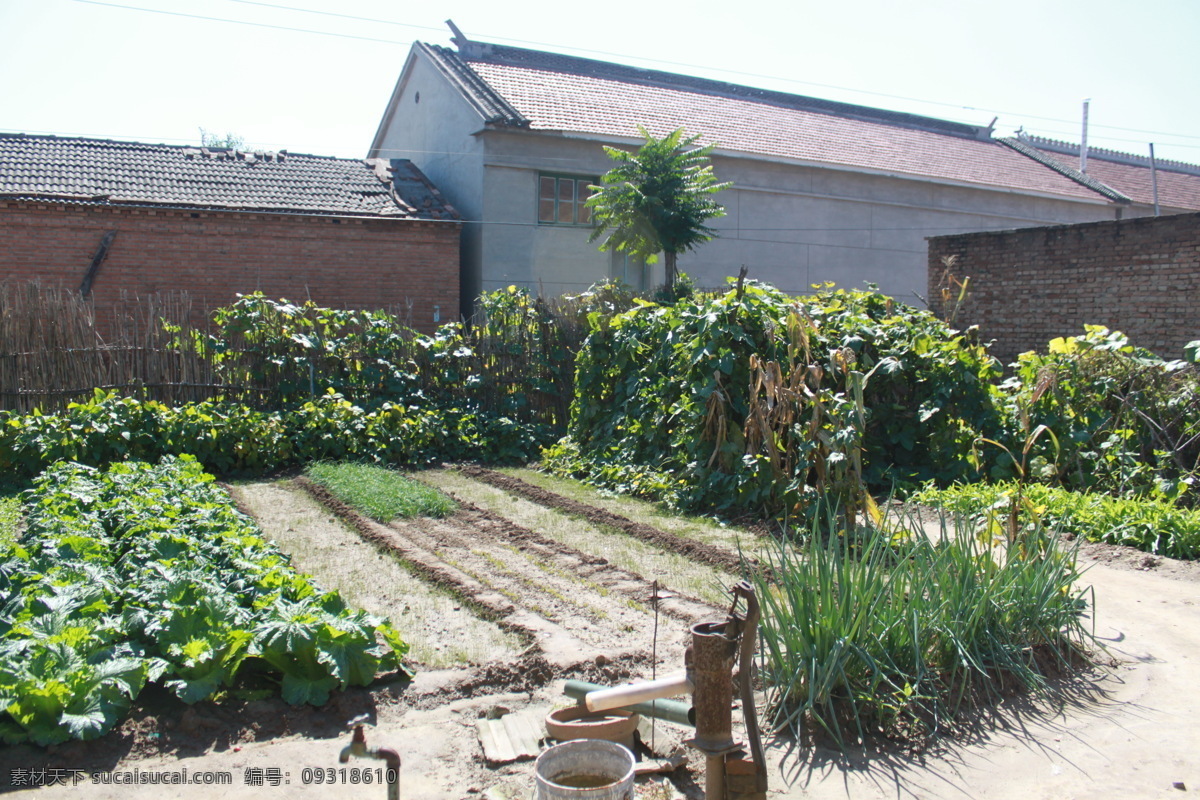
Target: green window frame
<point>562,199</point>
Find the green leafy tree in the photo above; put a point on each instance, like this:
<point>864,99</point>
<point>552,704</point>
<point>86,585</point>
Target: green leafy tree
<point>657,199</point>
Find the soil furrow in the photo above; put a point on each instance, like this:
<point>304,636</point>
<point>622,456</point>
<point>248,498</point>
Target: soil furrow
<point>432,568</point>
<point>595,568</point>
<point>440,628</point>
<point>712,555</point>
<point>574,606</point>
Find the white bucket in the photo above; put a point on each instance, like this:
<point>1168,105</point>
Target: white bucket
<point>585,769</point>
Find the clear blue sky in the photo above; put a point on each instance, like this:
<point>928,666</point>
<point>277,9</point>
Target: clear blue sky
<point>318,83</point>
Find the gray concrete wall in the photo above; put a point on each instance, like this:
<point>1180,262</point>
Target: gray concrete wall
<point>795,226</point>
<point>790,225</point>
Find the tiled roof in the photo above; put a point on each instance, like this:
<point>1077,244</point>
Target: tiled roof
<point>1066,169</point>
<point>1178,182</point>
<point>132,173</point>
<point>562,93</point>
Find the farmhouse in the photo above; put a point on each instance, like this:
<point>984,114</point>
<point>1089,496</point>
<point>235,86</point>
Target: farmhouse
<point>822,191</point>
<point>113,218</point>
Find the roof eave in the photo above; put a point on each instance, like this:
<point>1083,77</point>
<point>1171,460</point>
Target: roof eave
<point>624,141</point>
<point>491,106</point>
<point>116,202</point>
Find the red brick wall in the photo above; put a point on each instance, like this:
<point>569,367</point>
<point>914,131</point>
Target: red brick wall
<point>1140,276</point>
<point>337,262</point>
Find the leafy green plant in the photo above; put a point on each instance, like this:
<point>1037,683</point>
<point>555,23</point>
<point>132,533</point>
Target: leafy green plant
<point>657,199</point>
<point>513,360</point>
<point>233,438</point>
<point>147,573</point>
<point>380,493</point>
<point>749,400</point>
<point>10,519</point>
<point>1125,420</point>
<point>1152,525</point>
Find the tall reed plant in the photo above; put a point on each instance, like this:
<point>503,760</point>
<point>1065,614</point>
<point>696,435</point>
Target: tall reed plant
<point>895,629</point>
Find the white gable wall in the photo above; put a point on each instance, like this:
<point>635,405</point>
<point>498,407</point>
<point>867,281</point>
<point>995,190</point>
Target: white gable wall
<point>436,133</point>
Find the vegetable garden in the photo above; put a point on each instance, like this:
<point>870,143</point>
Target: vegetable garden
<point>132,568</point>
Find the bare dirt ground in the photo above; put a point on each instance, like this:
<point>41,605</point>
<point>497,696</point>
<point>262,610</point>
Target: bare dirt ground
<point>529,588</point>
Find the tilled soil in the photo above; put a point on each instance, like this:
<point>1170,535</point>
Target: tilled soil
<point>573,607</point>
<point>720,557</point>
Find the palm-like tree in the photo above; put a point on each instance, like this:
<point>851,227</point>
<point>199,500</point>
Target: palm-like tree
<point>657,199</point>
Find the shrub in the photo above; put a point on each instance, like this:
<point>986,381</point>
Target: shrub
<point>1148,524</point>
<point>515,359</point>
<point>230,438</point>
<point>752,401</point>
<point>1126,421</point>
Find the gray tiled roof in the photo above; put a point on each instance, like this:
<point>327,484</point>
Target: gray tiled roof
<point>133,173</point>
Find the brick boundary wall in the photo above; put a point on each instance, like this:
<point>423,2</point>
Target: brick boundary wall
<point>1140,276</point>
<point>340,262</point>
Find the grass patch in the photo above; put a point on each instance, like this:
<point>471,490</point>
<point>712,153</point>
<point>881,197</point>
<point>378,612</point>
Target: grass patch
<point>380,493</point>
<point>1147,524</point>
<point>900,632</point>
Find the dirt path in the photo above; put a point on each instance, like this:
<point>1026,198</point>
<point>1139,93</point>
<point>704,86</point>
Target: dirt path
<point>580,610</point>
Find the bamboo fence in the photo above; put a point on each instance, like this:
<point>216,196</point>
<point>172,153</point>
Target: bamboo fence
<point>54,351</point>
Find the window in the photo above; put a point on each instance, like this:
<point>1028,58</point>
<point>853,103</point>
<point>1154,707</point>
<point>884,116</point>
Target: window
<point>562,200</point>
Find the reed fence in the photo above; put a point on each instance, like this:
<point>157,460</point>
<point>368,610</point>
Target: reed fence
<point>54,351</point>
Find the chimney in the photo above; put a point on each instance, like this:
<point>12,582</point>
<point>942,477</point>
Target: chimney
<point>1083,140</point>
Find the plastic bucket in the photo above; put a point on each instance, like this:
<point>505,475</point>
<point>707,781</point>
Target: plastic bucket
<point>585,769</point>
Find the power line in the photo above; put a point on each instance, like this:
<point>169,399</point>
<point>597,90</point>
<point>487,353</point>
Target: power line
<point>243,22</point>
<point>341,16</point>
<point>703,67</point>
<point>614,55</point>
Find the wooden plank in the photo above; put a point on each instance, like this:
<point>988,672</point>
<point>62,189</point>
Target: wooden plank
<point>513,737</point>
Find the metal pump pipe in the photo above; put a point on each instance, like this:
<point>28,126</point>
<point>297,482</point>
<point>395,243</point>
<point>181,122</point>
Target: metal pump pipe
<point>670,710</point>
<point>709,679</point>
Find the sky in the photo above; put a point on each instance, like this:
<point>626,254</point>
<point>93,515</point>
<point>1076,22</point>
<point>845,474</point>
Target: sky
<point>314,76</point>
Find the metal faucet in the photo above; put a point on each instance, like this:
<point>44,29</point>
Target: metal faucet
<point>358,747</point>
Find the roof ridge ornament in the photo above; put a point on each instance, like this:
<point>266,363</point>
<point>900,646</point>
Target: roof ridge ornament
<point>459,39</point>
<point>466,48</point>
